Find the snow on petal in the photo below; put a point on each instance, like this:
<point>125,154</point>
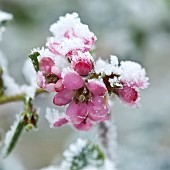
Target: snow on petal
<point>67,46</point>
<point>133,75</point>
<point>82,63</point>
<point>114,60</point>
<point>64,24</point>
<point>69,27</point>
<point>55,118</point>
<point>107,68</point>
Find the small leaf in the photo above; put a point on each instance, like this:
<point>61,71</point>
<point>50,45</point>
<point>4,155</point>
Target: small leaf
<point>34,58</point>
<point>13,136</point>
<point>93,51</point>
<point>84,153</point>
<point>94,154</point>
<point>1,83</point>
<point>29,116</point>
<point>3,23</point>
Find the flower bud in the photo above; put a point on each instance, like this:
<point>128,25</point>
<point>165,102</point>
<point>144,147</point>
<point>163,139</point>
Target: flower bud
<point>83,65</point>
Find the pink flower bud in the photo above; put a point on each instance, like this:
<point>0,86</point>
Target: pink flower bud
<point>82,63</point>
<point>128,95</point>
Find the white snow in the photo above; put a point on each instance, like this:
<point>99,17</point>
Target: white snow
<point>53,115</point>
<point>134,75</point>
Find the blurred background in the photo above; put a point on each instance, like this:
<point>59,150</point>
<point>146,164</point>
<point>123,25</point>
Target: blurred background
<point>137,30</point>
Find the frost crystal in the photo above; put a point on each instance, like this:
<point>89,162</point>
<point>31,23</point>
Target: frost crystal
<point>114,60</point>
<point>65,23</point>
<point>55,117</point>
<point>133,75</point>
<point>29,73</point>
<point>70,26</point>
<point>75,149</point>
<point>83,153</point>
<point>108,165</point>
<point>12,135</point>
<point>106,68</point>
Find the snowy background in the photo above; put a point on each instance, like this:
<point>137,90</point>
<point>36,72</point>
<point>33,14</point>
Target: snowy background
<point>137,30</point>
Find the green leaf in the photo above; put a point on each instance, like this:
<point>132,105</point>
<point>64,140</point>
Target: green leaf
<point>27,120</point>
<point>93,51</point>
<point>95,153</point>
<point>90,155</point>
<point>1,83</point>
<point>3,23</point>
<point>34,58</point>
<point>87,154</point>
<point>13,136</point>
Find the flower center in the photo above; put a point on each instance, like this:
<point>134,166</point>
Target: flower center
<point>51,78</point>
<point>82,95</point>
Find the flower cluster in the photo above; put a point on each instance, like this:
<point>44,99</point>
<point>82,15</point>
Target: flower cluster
<point>67,68</point>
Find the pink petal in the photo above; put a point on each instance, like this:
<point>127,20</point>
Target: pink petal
<point>41,83</point>
<point>59,86</point>
<point>60,122</point>
<point>97,109</point>
<point>63,97</point>
<point>53,47</point>
<point>77,112</point>
<point>84,126</point>
<point>82,66</point>
<point>96,88</point>
<point>55,70</point>
<point>128,95</point>
<point>73,81</point>
<point>45,64</point>
<point>49,87</point>
<point>40,79</point>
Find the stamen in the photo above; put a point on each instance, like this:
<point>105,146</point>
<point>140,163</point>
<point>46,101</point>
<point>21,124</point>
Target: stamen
<point>51,78</point>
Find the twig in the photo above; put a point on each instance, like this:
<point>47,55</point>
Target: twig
<point>17,97</point>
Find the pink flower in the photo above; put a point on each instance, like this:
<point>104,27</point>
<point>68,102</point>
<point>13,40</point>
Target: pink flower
<point>70,26</point>
<point>128,95</point>
<point>133,75</point>
<point>49,76</point>
<point>133,78</point>
<point>68,46</point>
<point>86,101</point>
<point>70,35</point>
<point>82,63</point>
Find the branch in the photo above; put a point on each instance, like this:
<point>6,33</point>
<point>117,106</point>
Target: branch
<point>17,97</point>
<point>107,135</point>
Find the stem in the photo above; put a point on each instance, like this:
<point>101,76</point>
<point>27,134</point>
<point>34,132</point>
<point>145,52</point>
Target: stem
<point>17,97</point>
<point>108,138</point>
<point>1,83</point>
